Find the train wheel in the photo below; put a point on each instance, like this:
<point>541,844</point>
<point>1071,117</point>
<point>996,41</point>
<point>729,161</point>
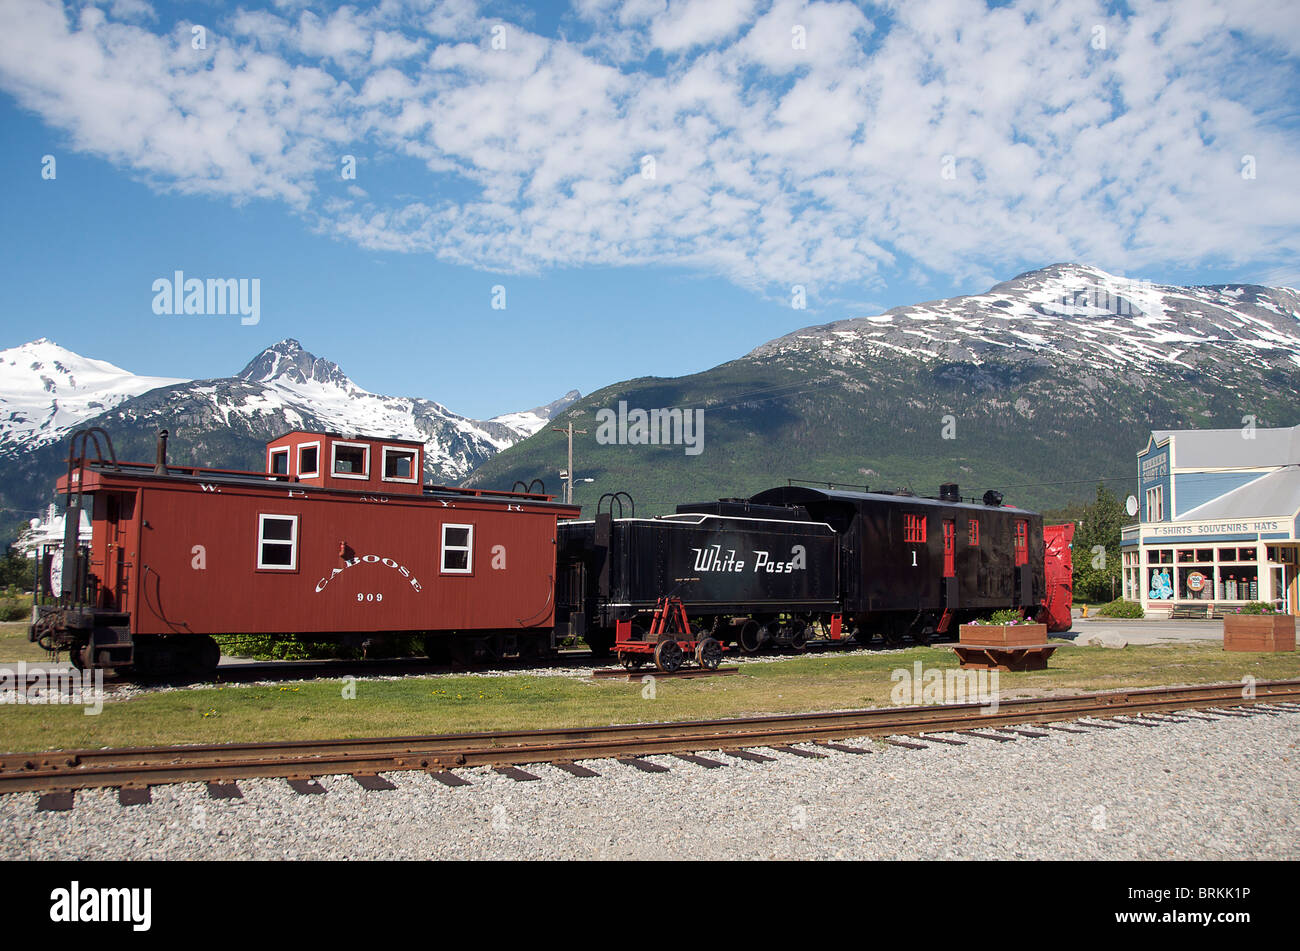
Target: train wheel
<point>669,655</point>
<point>79,654</point>
<point>708,654</point>
<point>750,638</point>
<point>798,635</point>
<point>631,661</point>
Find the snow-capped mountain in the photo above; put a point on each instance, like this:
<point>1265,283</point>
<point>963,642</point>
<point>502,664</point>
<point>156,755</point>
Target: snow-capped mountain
<point>223,421</point>
<point>532,420</point>
<point>285,387</point>
<point>1075,313</point>
<point>1040,387</point>
<point>47,391</point>
<point>290,388</point>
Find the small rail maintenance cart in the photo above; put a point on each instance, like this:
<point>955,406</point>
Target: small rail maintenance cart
<point>670,641</point>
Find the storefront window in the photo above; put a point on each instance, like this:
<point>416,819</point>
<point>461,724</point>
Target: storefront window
<point>1160,587</point>
<point>1239,584</point>
<point>1196,584</point>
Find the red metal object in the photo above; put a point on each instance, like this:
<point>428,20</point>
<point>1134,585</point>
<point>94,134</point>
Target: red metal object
<point>837,621</point>
<point>669,618</point>
<point>1058,569</point>
<point>183,552</point>
<point>669,625</point>
<point>949,547</point>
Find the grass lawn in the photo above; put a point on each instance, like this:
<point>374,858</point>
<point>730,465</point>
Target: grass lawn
<point>453,704</point>
<point>14,645</point>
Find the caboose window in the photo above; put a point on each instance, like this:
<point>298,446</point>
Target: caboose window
<point>279,462</point>
<point>914,529</point>
<point>973,531</point>
<point>457,549</point>
<point>309,459</point>
<point>351,460</point>
<point>1022,542</point>
<point>399,465</point>
<point>277,542</point>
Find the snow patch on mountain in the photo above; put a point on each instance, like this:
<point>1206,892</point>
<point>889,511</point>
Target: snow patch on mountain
<point>46,391</point>
<point>1076,314</point>
<point>533,420</point>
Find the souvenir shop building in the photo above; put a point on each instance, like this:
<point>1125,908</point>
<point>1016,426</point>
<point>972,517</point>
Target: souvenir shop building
<point>1219,514</point>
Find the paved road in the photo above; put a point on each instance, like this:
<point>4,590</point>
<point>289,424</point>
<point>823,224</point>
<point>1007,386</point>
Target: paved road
<point>1151,632</point>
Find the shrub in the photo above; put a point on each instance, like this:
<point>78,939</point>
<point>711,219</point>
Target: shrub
<point>1121,608</point>
<point>14,605</point>
<point>266,647</point>
<point>1004,617</point>
<point>1257,607</point>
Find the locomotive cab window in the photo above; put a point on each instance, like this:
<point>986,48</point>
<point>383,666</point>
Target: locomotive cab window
<point>457,549</point>
<point>279,464</point>
<point>351,460</point>
<point>399,465</point>
<point>309,459</point>
<point>914,529</point>
<point>277,542</point>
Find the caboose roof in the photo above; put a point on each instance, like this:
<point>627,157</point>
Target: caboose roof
<point>359,437</point>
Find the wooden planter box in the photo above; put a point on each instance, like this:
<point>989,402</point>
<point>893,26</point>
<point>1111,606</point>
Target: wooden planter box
<point>1274,633</point>
<point>1003,635</point>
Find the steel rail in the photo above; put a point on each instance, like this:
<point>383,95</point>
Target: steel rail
<point>144,766</point>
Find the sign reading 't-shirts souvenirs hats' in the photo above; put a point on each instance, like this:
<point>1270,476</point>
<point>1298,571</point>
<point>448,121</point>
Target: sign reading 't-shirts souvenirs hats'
<point>1193,529</point>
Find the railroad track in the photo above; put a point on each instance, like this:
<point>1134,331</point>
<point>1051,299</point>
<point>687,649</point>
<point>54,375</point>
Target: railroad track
<point>134,770</point>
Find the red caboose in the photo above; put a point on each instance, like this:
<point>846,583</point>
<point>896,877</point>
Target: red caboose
<point>339,536</point>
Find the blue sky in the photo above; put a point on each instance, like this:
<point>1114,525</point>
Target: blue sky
<point>876,155</point>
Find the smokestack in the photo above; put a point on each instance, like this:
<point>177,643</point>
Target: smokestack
<point>160,467</point>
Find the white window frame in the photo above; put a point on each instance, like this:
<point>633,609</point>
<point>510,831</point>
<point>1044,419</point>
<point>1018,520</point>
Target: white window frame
<point>468,548</point>
<point>414,452</point>
<point>263,540</point>
<point>270,457</point>
<point>309,445</point>
<point>1156,504</point>
<point>334,461</point>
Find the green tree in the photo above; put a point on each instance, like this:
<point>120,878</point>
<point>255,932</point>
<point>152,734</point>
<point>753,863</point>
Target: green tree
<point>17,569</point>
<point>1096,549</point>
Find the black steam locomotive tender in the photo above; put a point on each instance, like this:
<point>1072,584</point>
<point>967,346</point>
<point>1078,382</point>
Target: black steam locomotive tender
<point>799,561</point>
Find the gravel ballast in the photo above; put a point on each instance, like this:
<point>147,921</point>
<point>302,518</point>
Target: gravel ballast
<point>1225,789</point>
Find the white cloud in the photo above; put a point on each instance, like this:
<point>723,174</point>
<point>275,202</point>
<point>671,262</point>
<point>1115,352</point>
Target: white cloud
<point>819,161</point>
<point>691,23</point>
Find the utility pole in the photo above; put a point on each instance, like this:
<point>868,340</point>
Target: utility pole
<point>568,482</point>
